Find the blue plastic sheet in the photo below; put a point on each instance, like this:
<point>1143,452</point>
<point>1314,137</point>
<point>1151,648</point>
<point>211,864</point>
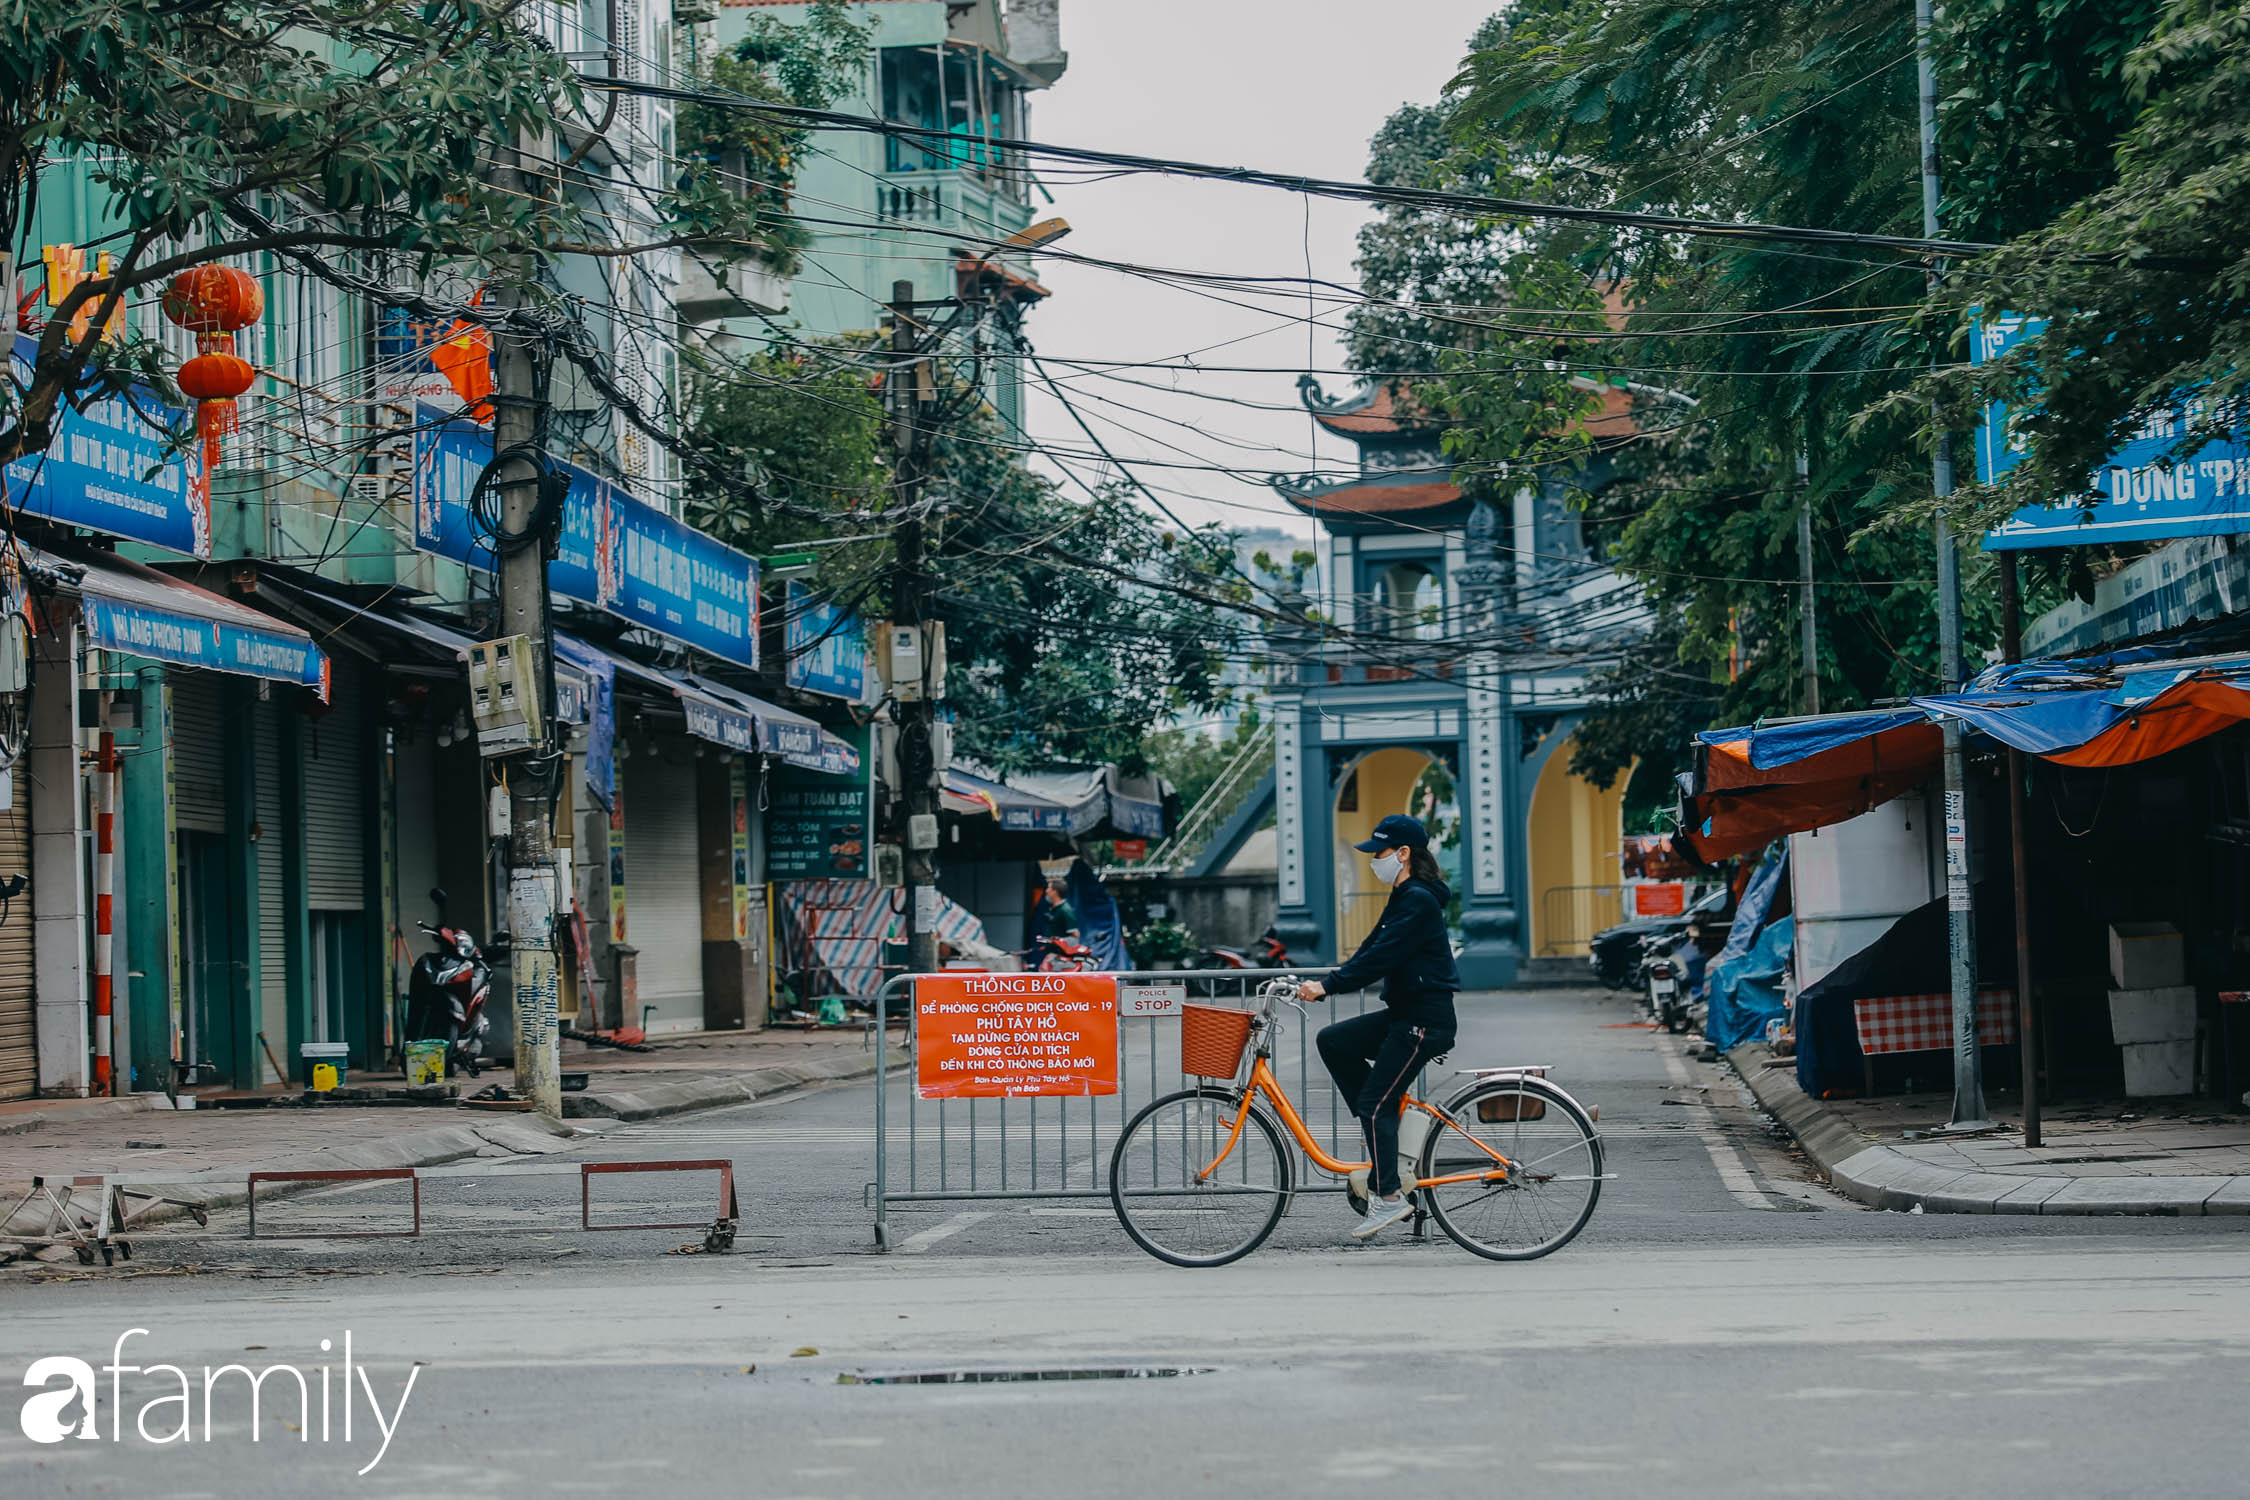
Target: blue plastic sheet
<point>1746,992</point>
<point>1775,745</point>
<point>1100,926</point>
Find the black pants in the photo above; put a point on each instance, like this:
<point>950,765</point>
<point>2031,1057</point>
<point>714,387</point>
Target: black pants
<point>1373,1059</point>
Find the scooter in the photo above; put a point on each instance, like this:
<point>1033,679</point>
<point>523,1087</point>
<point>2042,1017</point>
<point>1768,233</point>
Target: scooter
<point>1271,953</point>
<point>1664,981</point>
<point>447,991</point>
<point>1062,953</point>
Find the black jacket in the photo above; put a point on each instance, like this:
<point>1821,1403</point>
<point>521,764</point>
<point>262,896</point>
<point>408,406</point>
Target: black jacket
<point>1411,953</point>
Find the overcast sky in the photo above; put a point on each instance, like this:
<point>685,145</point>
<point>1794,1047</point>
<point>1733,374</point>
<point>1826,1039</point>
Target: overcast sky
<point>1284,85</point>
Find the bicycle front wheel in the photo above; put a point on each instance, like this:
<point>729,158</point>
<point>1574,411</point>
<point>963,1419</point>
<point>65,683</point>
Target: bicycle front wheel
<point>1171,1199</point>
<point>1545,1193</point>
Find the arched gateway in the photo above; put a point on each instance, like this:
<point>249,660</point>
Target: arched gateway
<point>1458,706</point>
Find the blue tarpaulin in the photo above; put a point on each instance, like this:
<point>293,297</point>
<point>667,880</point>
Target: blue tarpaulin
<point>1100,927</point>
<point>1747,992</point>
<point>1745,980</point>
<point>1771,746</point>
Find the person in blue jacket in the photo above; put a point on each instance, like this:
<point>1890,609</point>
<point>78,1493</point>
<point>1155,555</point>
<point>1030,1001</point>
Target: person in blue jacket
<point>1374,1057</point>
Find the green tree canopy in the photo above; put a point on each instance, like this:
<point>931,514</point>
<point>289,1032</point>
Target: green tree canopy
<point>367,144</point>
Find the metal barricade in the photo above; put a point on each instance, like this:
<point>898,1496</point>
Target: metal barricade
<point>930,1151</point>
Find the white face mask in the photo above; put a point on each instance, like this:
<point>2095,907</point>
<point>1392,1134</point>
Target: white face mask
<point>1388,865</point>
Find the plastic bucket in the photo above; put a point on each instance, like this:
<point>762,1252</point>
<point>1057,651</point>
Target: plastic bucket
<point>324,1064</point>
<point>425,1063</point>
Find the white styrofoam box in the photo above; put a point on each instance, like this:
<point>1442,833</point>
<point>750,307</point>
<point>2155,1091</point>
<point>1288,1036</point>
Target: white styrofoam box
<point>2155,1070</point>
<point>2146,955</point>
<point>2163,1015</point>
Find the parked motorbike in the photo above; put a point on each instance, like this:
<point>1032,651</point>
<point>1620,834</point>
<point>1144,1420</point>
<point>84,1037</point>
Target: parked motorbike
<point>446,994</point>
<point>1664,980</point>
<point>1058,954</point>
<point>1270,953</point>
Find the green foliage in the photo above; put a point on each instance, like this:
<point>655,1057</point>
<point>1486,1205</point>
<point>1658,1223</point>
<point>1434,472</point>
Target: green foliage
<point>1076,627</point>
<point>1163,944</point>
<point>2143,281</point>
<point>348,140</point>
<point>802,427</point>
<point>810,63</point>
<point>1193,761</point>
<point>1796,114</point>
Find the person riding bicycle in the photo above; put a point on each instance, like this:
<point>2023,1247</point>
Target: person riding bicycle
<point>1374,1057</point>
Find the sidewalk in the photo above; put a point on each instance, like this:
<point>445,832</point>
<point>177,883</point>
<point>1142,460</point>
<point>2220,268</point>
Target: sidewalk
<point>213,1149</point>
<point>2140,1157</point>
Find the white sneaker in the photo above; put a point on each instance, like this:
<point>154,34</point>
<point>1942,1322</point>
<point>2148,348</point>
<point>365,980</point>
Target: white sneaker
<point>1381,1215</point>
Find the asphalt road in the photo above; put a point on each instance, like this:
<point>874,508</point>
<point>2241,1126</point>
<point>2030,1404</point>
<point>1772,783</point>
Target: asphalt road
<point>1724,1327</point>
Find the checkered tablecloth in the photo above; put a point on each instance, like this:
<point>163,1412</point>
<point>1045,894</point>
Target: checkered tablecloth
<point>1924,1023</point>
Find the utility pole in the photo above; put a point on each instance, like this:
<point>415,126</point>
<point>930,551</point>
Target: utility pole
<point>2027,1012</point>
<point>519,401</point>
<point>908,386</point>
<point>1807,615</point>
<point>1969,1111</point>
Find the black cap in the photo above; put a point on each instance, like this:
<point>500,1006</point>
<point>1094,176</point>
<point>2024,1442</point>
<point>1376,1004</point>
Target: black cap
<point>1398,831</point>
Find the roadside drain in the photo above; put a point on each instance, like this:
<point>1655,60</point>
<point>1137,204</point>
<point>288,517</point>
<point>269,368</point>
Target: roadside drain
<point>1013,1377</point>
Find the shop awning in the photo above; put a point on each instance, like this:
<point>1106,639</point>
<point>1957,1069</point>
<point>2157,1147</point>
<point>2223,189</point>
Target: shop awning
<point>1829,747</point>
<point>726,716</point>
<point>127,607</point>
<point>1013,808</point>
<point>1083,795</point>
<point>1754,784</point>
<point>2136,714</point>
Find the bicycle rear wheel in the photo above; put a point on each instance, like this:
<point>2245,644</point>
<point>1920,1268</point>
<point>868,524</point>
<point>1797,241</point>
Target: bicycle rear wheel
<point>1553,1177</point>
<point>1169,1209</point>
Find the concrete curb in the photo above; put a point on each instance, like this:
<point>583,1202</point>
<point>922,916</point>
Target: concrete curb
<point>650,1101</point>
<point>77,1109</point>
<point>228,1187</point>
<point>1884,1177</point>
<point>522,1134</point>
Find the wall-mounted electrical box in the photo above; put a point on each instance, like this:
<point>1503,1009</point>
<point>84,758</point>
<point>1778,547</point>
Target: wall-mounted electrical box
<point>504,695</point>
<point>899,652</point>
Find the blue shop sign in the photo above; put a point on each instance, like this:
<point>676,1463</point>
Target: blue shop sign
<point>112,469</point>
<point>2205,494</point>
<point>825,644</point>
<point>616,552</point>
<point>449,454</point>
<point>600,713</point>
<point>719,723</point>
<point>193,641</point>
<point>674,579</point>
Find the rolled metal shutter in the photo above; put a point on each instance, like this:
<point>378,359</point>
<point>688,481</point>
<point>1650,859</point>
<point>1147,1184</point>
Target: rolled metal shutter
<point>199,776</point>
<point>663,897</point>
<point>19,1048</point>
<point>273,930</point>
<point>335,868</point>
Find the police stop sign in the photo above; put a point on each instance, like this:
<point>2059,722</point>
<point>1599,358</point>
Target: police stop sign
<point>1013,1036</point>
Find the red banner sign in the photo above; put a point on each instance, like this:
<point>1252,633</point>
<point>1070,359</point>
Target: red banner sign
<point>1012,1036</point>
<point>1131,849</point>
<point>1661,899</point>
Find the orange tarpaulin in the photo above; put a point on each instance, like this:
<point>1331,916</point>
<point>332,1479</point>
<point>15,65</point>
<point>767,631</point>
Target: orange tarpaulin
<point>1727,765</point>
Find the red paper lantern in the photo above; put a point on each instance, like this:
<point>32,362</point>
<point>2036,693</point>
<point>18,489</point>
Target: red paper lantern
<point>209,300</point>
<point>214,379</point>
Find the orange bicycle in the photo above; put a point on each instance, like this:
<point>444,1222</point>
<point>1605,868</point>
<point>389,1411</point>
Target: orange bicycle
<point>1510,1166</point>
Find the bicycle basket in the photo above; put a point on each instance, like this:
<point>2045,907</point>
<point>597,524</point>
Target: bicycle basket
<point>1212,1039</point>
